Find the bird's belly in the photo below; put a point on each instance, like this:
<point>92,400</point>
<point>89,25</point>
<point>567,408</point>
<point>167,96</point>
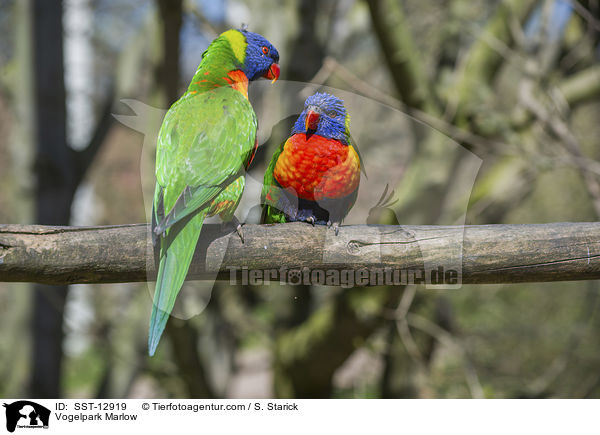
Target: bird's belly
<point>317,168</point>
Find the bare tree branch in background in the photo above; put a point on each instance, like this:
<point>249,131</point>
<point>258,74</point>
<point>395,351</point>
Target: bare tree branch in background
<point>404,63</point>
<point>59,172</point>
<point>553,122</point>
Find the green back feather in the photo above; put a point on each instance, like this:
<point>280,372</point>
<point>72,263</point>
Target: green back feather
<point>204,142</point>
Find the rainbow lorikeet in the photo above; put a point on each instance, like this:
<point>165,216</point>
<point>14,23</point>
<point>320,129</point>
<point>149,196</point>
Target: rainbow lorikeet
<point>206,142</point>
<point>314,176</point>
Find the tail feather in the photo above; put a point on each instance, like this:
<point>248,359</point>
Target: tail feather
<point>173,267</point>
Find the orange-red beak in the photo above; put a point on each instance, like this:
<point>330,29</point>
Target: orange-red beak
<point>273,73</point>
<point>312,120</point>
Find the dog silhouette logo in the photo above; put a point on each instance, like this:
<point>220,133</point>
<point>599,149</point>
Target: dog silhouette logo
<point>26,414</point>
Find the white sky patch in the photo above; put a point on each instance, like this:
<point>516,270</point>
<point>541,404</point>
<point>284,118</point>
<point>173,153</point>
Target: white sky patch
<point>79,318</point>
<point>85,206</point>
<point>238,13</point>
<point>79,81</point>
<point>79,74</point>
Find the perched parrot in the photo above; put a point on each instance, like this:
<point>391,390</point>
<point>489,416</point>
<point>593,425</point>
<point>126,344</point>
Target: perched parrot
<point>314,176</point>
<point>205,144</point>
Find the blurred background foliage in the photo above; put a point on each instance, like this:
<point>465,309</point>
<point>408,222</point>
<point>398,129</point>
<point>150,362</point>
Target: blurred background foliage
<point>516,82</point>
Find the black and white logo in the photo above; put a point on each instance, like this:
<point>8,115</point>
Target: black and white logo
<point>25,414</point>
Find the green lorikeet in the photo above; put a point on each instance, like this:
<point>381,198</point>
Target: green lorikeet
<point>314,176</point>
<point>206,142</point>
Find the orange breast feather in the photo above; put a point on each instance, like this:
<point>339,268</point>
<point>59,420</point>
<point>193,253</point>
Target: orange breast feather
<point>317,168</point>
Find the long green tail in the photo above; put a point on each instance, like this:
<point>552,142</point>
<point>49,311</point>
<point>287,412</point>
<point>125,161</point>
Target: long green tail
<point>173,267</point>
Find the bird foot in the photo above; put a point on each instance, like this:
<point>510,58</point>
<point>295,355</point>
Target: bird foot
<point>236,225</point>
<point>306,216</point>
<point>335,226</point>
<point>238,230</point>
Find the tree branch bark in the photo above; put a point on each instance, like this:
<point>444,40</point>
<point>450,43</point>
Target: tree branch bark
<point>490,253</point>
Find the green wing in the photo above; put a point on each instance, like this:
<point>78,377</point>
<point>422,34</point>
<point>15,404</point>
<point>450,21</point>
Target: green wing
<point>271,193</point>
<point>203,145</point>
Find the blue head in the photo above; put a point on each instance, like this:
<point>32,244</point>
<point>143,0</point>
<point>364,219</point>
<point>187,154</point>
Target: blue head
<point>323,115</point>
<point>261,58</point>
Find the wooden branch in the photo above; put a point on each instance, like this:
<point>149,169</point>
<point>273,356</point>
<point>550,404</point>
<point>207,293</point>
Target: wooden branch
<point>486,254</point>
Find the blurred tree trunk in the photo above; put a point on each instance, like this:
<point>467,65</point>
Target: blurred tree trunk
<point>307,356</point>
<point>54,188</point>
<point>308,51</point>
<point>168,75</point>
<point>58,170</point>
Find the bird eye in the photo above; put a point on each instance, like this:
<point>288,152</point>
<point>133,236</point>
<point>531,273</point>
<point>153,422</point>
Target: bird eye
<point>331,114</point>
<point>265,50</point>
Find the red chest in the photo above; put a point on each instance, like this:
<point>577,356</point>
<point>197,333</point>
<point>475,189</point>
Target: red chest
<point>317,168</point>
